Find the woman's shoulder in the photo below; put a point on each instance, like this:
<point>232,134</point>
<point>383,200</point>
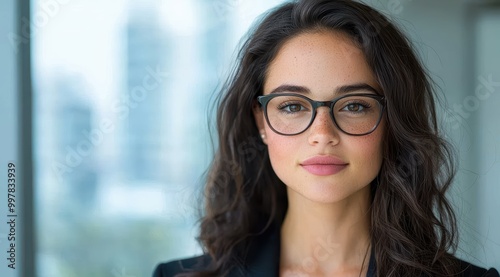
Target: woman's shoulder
<point>170,269</point>
<point>471,270</point>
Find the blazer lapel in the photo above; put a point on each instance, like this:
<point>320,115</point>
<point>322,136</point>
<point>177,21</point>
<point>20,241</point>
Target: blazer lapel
<point>263,258</point>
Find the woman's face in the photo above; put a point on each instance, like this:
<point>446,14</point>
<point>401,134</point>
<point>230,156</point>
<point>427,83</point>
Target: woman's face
<point>320,63</point>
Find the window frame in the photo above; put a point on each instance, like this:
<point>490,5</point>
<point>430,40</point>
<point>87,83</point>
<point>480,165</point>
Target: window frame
<point>25,132</point>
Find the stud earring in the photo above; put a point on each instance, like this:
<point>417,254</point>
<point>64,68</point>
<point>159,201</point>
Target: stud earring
<point>262,136</point>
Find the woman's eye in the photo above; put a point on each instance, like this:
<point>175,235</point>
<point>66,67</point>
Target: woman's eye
<point>354,107</point>
<point>292,108</point>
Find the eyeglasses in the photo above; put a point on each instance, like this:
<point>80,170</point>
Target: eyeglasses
<point>291,114</point>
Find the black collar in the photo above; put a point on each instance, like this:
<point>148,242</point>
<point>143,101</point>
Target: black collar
<point>263,258</point>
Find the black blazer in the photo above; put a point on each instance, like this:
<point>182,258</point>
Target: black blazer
<point>263,261</point>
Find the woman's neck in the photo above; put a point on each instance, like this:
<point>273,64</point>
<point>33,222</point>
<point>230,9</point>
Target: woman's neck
<point>326,238</point>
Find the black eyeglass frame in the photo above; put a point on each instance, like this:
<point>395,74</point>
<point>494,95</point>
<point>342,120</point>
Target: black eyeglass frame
<point>264,100</point>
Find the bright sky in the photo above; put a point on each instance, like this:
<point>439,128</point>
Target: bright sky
<point>80,36</point>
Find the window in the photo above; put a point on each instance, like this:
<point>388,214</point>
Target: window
<point>121,91</point>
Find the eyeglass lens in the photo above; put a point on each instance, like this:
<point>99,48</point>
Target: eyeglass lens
<point>353,114</point>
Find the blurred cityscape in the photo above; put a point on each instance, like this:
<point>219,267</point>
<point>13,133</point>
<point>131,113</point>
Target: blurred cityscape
<point>119,167</point>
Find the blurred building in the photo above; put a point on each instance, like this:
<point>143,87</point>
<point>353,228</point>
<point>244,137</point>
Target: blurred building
<point>74,155</point>
<point>144,94</point>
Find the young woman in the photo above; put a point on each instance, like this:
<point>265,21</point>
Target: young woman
<point>330,160</point>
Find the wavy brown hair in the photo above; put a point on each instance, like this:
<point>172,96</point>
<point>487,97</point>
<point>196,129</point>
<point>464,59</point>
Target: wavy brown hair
<point>413,227</point>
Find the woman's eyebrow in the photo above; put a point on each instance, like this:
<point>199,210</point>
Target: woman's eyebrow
<point>340,90</point>
<point>355,87</point>
<point>291,88</point>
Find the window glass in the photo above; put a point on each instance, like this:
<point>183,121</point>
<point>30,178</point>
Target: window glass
<point>121,97</point>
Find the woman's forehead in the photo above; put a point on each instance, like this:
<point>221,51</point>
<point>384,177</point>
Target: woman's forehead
<point>320,61</point>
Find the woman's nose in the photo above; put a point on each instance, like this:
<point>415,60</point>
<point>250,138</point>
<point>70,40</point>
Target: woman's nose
<point>323,129</point>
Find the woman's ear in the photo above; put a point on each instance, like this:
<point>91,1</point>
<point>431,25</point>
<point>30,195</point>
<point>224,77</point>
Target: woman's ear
<point>258,116</point>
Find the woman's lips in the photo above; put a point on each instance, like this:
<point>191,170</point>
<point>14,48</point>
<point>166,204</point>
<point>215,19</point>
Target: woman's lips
<point>323,165</point>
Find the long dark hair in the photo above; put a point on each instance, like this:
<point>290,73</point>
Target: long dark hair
<point>413,228</point>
